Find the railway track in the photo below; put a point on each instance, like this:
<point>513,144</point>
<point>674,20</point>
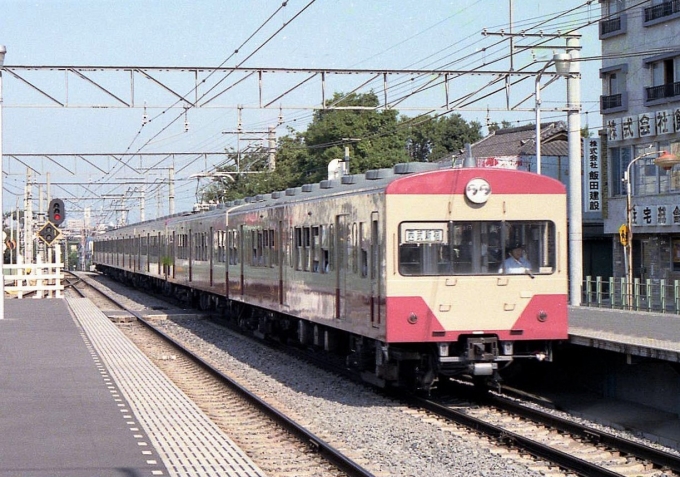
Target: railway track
<point>558,446</point>
<point>278,444</point>
<point>572,446</point>
<point>558,441</point>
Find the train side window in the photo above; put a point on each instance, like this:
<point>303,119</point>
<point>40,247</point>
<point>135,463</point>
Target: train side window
<point>233,247</point>
<point>221,250</point>
<point>330,258</point>
<point>256,238</point>
<point>352,248</point>
<point>265,248</point>
<point>297,258</point>
<point>316,250</point>
<point>324,246</point>
<point>363,254</point>
<point>307,248</point>
<point>273,251</point>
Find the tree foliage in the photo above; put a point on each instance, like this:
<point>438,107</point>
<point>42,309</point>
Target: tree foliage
<point>375,138</point>
<point>433,139</point>
<point>494,126</point>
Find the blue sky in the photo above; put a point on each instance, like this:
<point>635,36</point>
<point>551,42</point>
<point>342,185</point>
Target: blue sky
<point>380,34</point>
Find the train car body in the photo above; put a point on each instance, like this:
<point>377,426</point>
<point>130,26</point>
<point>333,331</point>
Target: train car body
<point>401,270</point>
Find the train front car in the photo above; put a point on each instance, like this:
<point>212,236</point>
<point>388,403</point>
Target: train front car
<point>476,273</point>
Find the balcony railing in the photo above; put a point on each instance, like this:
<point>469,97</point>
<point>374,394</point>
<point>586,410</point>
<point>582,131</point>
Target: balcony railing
<point>663,91</point>
<point>610,26</point>
<point>655,295</point>
<point>610,102</point>
<point>662,10</point>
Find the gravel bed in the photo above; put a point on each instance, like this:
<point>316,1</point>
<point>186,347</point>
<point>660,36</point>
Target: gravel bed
<point>389,436</point>
<point>380,430</point>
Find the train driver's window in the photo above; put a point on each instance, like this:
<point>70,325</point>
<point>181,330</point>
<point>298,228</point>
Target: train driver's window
<point>475,248</point>
<point>534,244</point>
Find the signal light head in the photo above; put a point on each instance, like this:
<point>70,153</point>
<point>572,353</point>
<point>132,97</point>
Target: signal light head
<point>56,212</point>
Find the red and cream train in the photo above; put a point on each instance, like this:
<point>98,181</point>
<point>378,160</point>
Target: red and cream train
<point>400,270</point>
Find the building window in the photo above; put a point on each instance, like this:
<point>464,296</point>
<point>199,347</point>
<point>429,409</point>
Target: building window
<point>665,78</point>
<point>647,179</point>
<point>614,98</point>
<point>620,158</point>
<point>614,7</point>
<point>614,22</point>
<point>661,9</point>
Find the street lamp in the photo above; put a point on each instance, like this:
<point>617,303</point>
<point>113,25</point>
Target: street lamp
<point>562,63</point>
<point>3,50</point>
<point>666,160</point>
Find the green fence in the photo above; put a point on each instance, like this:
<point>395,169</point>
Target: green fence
<point>641,295</point>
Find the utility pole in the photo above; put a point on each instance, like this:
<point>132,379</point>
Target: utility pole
<point>28,218</point>
<point>272,148</point>
<point>171,193</point>
<point>575,173</point>
<point>575,186</point>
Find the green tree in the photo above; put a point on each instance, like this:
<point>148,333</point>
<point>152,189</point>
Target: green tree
<point>493,127</point>
<point>375,139</point>
<point>372,135</point>
<point>432,139</point>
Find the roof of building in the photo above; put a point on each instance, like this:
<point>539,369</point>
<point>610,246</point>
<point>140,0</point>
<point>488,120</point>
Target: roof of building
<point>521,141</point>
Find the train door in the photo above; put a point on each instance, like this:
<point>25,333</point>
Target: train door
<point>190,249</point>
<point>376,310</point>
<point>241,258</point>
<point>159,241</point>
<point>172,253</point>
<point>138,253</point>
<point>342,241</point>
<point>148,253</point>
<point>279,248</point>
<point>211,253</point>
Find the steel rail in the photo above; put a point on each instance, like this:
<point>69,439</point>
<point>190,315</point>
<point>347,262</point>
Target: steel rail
<point>639,450</point>
<point>562,459</point>
<point>330,453</point>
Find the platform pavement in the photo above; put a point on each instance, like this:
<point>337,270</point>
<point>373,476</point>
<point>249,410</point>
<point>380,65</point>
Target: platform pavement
<point>77,399</point>
<point>639,333</point>
<point>631,333</point>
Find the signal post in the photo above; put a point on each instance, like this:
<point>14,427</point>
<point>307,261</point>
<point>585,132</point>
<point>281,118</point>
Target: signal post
<point>49,233</point>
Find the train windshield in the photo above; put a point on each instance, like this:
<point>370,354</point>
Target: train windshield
<point>477,248</point>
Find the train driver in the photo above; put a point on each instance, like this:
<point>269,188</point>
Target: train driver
<point>515,263</point>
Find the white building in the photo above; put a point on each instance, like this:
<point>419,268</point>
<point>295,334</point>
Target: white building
<point>640,104</point>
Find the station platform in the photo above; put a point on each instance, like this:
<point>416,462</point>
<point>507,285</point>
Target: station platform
<point>637,385</point>
<point>78,399</point>
<point>635,333</point>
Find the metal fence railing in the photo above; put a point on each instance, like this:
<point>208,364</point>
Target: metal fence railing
<point>39,280</point>
<point>656,295</point>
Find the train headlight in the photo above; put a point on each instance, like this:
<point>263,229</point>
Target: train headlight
<point>542,316</point>
<point>478,191</point>
<point>443,349</point>
<point>413,318</point>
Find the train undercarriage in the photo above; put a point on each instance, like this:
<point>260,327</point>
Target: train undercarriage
<point>417,366</point>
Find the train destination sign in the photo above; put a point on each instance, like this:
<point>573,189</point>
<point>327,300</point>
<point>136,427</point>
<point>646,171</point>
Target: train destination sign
<point>424,236</point>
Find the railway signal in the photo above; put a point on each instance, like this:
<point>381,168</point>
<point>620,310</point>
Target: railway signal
<point>49,233</point>
<point>56,212</point>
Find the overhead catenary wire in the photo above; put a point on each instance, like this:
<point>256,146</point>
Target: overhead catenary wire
<point>293,119</point>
